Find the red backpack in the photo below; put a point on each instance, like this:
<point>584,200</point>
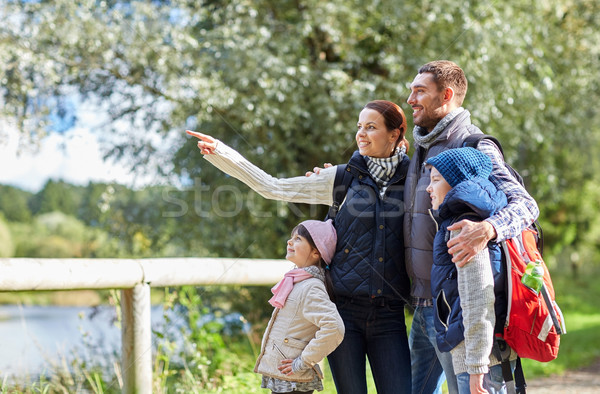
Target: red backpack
<point>534,321</point>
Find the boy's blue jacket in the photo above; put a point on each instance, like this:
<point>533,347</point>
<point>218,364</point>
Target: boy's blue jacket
<point>474,199</point>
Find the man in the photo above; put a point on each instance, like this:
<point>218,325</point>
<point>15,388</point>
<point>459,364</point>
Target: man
<point>436,97</point>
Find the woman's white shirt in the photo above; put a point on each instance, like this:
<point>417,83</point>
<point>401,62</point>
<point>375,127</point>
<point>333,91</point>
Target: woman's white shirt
<point>315,189</point>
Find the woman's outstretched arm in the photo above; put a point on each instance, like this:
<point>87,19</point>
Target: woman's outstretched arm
<point>316,189</point>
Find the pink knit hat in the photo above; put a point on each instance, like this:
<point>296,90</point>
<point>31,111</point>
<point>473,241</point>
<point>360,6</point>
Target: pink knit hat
<point>324,236</point>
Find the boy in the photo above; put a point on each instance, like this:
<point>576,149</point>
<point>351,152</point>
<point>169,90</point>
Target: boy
<point>468,299</point>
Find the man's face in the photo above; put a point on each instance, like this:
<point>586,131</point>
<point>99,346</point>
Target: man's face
<point>426,101</point>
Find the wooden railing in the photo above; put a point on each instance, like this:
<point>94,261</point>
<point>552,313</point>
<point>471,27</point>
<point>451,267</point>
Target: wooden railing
<point>135,277</point>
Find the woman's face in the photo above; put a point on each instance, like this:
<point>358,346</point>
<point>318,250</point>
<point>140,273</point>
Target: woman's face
<point>438,188</point>
<point>372,136</point>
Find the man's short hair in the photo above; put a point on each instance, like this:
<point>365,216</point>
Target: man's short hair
<point>447,74</point>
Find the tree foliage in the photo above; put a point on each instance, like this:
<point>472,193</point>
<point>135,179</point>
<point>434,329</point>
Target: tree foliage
<point>6,241</point>
<point>56,196</point>
<point>13,204</point>
<point>283,82</point>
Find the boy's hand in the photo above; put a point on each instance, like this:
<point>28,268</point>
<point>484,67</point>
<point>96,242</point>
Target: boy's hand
<point>207,144</point>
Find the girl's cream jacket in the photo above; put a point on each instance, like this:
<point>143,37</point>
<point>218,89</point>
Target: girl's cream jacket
<point>308,326</point>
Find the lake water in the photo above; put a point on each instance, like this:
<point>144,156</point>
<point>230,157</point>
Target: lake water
<point>36,339</point>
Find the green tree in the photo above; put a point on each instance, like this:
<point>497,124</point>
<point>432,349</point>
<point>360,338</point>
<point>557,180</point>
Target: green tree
<point>96,203</point>
<point>13,203</point>
<point>7,247</point>
<point>283,82</point>
<point>57,196</point>
<point>55,235</point>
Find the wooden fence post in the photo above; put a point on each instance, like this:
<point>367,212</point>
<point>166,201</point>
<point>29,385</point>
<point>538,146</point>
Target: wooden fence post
<point>136,340</point>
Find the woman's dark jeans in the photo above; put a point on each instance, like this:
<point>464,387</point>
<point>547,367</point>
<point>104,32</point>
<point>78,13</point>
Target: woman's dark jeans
<point>375,329</point>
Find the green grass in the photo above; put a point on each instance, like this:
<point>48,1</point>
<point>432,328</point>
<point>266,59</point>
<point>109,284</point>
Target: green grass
<point>250,383</point>
<point>329,387</point>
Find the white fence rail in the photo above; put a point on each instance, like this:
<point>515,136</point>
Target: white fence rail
<point>135,277</point>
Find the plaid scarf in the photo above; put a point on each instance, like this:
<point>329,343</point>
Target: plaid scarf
<point>383,168</point>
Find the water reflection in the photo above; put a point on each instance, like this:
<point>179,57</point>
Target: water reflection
<point>37,339</point>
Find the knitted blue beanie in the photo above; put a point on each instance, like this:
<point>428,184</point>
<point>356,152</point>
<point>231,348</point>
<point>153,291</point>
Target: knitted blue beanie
<point>457,165</point>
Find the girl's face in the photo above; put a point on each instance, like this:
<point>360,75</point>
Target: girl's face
<point>438,188</point>
<point>372,136</point>
<point>300,252</point>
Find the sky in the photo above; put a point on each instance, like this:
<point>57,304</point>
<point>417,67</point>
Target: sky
<point>73,155</point>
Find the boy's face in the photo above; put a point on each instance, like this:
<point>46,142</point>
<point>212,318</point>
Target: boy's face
<point>438,188</point>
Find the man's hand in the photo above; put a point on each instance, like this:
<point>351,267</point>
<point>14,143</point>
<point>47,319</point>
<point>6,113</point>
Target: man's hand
<point>317,170</point>
<point>473,238</point>
<point>476,384</point>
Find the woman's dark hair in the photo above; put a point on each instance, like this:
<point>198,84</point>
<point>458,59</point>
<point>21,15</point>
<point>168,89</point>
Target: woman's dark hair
<point>393,117</point>
<point>303,232</point>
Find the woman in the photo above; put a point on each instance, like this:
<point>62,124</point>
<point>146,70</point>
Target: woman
<point>368,272</point>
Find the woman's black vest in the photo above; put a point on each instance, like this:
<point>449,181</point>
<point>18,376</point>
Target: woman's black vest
<point>369,258</point>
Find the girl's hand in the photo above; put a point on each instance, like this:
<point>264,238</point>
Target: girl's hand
<point>285,367</point>
<point>207,144</point>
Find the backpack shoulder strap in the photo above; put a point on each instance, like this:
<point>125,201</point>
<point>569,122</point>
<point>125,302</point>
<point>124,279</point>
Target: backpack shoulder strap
<point>343,177</point>
<point>515,384</point>
<point>474,139</point>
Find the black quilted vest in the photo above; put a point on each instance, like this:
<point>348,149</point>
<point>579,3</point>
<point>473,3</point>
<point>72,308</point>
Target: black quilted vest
<point>369,258</point>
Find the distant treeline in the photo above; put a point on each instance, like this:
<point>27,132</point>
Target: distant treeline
<point>97,220</point>
<point>113,221</point>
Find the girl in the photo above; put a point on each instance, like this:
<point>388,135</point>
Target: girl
<point>305,326</point>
